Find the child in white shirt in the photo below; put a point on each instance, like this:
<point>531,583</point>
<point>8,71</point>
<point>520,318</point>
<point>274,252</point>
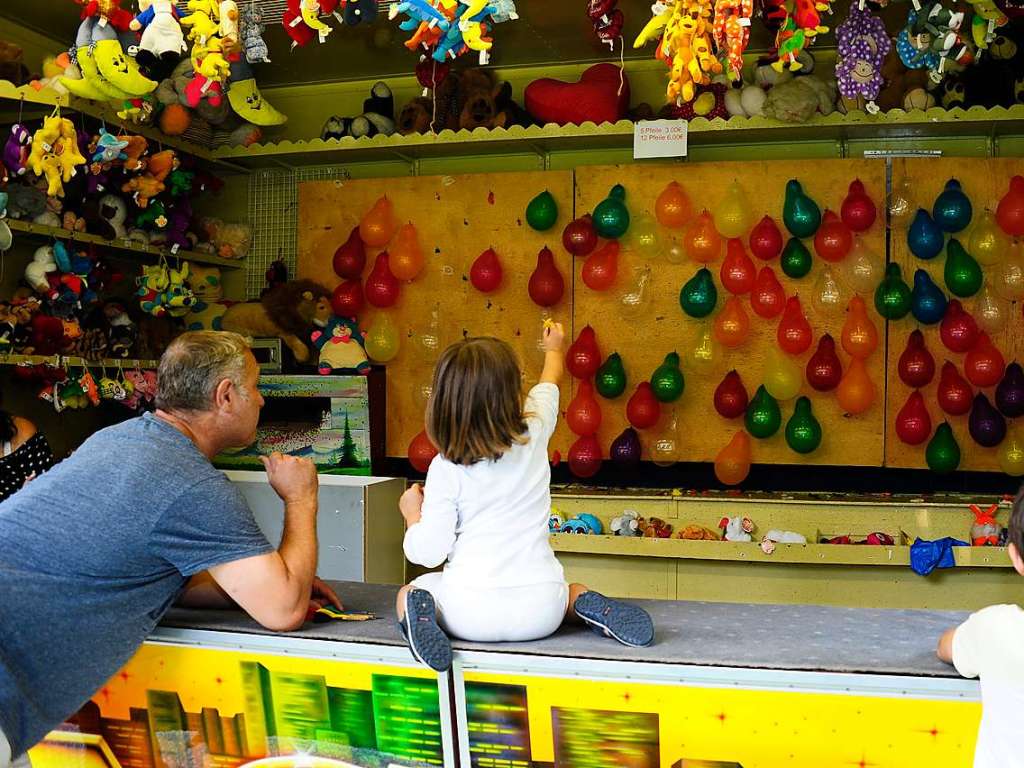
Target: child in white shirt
<point>990,645</point>
<point>485,510</point>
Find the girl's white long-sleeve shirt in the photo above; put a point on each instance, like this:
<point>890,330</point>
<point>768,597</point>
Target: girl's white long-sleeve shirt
<point>490,519</point>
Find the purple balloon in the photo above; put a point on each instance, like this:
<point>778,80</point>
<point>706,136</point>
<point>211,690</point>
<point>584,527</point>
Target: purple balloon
<point>986,425</point>
<point>1010,392</point>
<point>626,448</point>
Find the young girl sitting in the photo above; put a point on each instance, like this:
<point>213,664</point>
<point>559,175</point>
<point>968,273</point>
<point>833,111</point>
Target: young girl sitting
<point>485,509</point>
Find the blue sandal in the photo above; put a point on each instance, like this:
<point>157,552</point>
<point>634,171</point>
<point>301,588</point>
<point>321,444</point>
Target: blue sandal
<point>626,623</point>
<point>427,641</point>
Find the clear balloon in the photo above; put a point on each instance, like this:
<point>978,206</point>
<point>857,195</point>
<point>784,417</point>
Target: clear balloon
<point>827,296</point>
<point>382,340</point>
<point>422,390</point>
<point>704,357</point>
<point>990,311</point>
<point>782,377</point>
<point>862,269</point>
<point>732,214</point>
<point>732,464</point>
<point>1008,275</point>
<point>428,340</point>
<point>635,299</point>
<point>674,251</point>
<point>987,242</point>
<point>665,442</point>
<point>902,200</point>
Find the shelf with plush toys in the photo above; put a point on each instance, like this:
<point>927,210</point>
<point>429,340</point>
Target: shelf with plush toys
<point>78,362</point>
<point>124,246</point>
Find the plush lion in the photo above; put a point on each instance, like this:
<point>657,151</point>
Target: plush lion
<point>287,311</point>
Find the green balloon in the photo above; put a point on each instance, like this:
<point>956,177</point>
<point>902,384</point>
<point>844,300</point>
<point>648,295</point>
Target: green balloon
<point>796,259</point>
<point>892,297</point>
<point>962,272</point>
<point>611,217</point>
<point>803,432</point>
<point>610,381</point>
<point>698,295</point>
<point>800,214</point>
<point>942,453</point>
<point>542,212</point>
<point>763,417</point>
<point>667,380</point>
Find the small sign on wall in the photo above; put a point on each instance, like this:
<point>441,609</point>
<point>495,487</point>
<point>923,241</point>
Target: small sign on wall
<point>659,138</point>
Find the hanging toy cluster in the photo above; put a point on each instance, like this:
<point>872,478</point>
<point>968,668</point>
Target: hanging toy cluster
<point>607,20</point>
<point>445,29</point>
<point>796,23</point>
<point>939,36</point>
<point>301,18</point>
<point>982,265</point>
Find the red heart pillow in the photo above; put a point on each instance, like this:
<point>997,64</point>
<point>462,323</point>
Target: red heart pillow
<point>596,97</point>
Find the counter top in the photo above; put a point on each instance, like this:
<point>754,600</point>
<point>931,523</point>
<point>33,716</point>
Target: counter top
<point>778,637</point>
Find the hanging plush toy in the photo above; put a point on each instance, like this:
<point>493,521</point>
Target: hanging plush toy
<point>447,29</point>
<point>732,33</point>
<point>107,148</point>
<point>309,12</point>
<point>16,150</point>
<point>54,153</point>
<point>863,45</point>
<point>685,46</point>
<point>253,44</point>
<point>203,21</point>
<point>607,20</point>
<point>162,38</point>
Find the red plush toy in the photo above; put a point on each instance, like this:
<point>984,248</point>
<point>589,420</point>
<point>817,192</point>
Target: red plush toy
<point>607,20</point>
<point>293,24</point>
<point>600,96</point>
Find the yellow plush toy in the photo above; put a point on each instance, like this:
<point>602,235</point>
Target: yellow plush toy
<point>200,22</point>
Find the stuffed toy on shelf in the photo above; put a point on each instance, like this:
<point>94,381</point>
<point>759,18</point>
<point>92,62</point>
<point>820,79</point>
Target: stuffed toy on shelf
<point>339,343</point>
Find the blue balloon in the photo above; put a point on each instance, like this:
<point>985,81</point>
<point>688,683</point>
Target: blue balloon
<point>927,301</point>
<point>924,237</point>
<point>952,209</point>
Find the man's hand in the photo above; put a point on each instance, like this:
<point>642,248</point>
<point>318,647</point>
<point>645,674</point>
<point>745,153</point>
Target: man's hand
<point>323,595</point>
<point>411,504</point>
<point>292,478</point>
<point>554,336</point>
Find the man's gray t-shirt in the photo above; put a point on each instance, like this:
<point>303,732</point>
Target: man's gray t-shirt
<point>93,552</point>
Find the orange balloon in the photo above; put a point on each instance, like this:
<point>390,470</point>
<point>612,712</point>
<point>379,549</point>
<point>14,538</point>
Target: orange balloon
<point>732,324</point>
<point>701,240</point>
<point>672,208</point>
<point>860,338</point>
<point>378,225</point>
<point>406,255</point>
<point>855,392</point>
<point>732,464</point>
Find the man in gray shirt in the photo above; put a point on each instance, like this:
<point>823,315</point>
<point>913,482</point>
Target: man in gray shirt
<point>93,552</point>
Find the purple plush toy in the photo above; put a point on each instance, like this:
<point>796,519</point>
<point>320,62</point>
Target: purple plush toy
<point>17,148</point>
<point>862,44</point>
<point>178,220</point>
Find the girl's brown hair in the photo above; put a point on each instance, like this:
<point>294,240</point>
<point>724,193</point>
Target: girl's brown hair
<point>476,404</point>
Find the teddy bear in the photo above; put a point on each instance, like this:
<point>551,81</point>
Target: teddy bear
<point>654,528</point>
<point>694,532</point>
<point>287,312</point>
<point>340,344</point>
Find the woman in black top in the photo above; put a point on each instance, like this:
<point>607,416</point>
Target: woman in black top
<point>24,453</point>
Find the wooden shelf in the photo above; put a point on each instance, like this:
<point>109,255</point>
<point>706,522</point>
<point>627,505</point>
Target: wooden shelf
<point>541,140</point>
<point>125,245</point>
<point>806,554</point>
<point>77,362</point>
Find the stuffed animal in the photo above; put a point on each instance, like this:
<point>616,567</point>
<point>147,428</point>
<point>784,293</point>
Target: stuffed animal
<point>122,332</point>
<point>626,524</point>
<point>797,99</point>
<point>654,528</point>
<point>286,312</point>
<point>736,528</point>
<point>863,46</point>
<point>601,95</point>
<point>17,149</point>
<point>107,148</point>
<point>253,44</point>
<point>555,520</point>
<point>340,345</point>
<point>25,202</point>
<point>43,263</point>
<point>134,154</point>
<point>582,523</point>
<point>115,212</point>
<point>206,313</point>
<point>696,532</point>
<point>378,117</point>
<point>985,530</point>
<point>162,38</point>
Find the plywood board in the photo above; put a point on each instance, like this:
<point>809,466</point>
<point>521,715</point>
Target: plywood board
<point>457,218</point>
<point>919,182</point>
<point>847,440</point>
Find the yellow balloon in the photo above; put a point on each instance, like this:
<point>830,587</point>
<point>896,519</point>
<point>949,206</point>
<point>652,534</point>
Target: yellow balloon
<point>644,238</point>
<point>704,357</point>
<point>382,340</point>
<point>732,215</point>
<point>1011,454</point>
<point>782,377</point>
<point>1008,280</point>
<point>987,243</point>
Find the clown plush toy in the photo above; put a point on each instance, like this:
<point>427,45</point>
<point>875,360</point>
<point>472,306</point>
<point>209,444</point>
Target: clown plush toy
<point>340,344</point>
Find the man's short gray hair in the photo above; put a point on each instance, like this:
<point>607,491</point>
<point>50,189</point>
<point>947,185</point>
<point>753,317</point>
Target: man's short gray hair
<point>194,364</point>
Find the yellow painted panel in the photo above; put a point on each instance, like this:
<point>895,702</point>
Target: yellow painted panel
<point>644,343</point>
<point>622,576</point>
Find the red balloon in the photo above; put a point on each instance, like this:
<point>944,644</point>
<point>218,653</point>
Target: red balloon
<point>643,408</point>
<point>731,397</point>
<point>858,211</point>
<point>350,258</point>
<point>913,422</point>
<point>738,271</point>
<point>421,452</point>
<point>601,267</point>
<point>794,333</point>
<point>585,457</point>
<point>382,286</point>
<point>916,365</point>
<point>984,365</point>
<point>767,298</point>
<point>1010,213</point>
<point>766,239</point>
<point>546,284</point>
<point>486,272</point>
<point>954,394</point>
<point>833,240</point>
<point>824,369</point>
<point>347,299</point>
<point>584,356</point>
<point>584,413</point>
<point>579,237</point>
<point>958,330</point>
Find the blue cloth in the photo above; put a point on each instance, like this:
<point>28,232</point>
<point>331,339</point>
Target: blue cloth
<point>926,556</point>
<point>93,553</point>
